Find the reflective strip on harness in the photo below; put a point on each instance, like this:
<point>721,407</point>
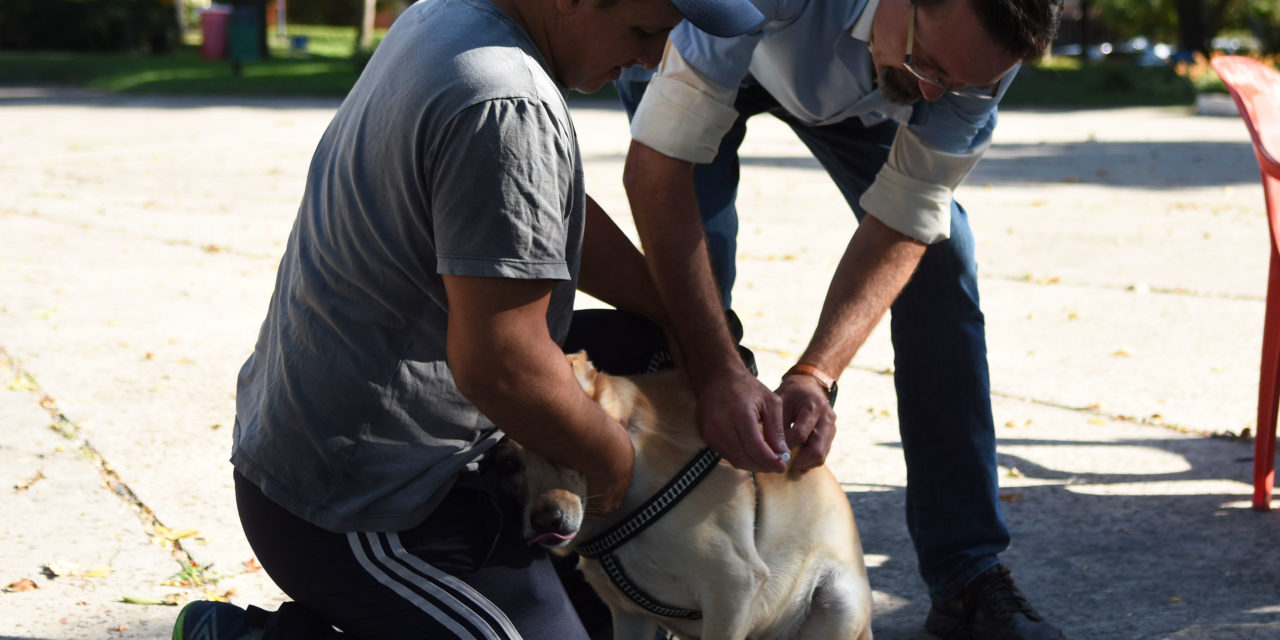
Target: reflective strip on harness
<point>601,546</point>
<point>619,578</point>
<point>652,509</point>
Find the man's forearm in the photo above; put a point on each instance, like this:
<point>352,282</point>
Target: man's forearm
<point>506,364</point>
<point>874,269</point>
<point>662,198</point>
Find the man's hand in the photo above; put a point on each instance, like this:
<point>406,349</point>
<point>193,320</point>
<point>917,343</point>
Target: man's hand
<point>741,419</point>
<point>811,420</point>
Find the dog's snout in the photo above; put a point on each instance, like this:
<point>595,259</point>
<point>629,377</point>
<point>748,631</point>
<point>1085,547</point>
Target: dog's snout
<point>548,520</point>
<point>554,518</point>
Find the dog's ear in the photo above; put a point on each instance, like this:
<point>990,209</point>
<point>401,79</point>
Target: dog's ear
<point>584,372</point>
<point>598,385</point>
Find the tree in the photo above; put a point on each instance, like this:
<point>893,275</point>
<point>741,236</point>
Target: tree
<point>1199,21</point>
<point>1263,22</point>
<point>1190,23</point>
<point>364,36</point>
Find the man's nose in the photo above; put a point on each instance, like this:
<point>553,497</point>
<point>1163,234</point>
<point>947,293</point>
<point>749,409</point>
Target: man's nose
<point>651,54</point>
<point>931,91</point>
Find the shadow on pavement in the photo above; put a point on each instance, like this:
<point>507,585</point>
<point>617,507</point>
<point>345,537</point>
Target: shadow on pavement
<point>1118,164</point>
<point>1109,555</point>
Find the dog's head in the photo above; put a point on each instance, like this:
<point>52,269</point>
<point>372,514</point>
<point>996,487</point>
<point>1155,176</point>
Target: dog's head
<point>555,498</point>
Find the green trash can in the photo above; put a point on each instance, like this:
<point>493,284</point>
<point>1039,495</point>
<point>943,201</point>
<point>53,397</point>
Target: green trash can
<point>245,34</point>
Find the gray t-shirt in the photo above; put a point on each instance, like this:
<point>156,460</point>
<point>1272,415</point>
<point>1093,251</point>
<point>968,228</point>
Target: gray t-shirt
<point>453,154</point>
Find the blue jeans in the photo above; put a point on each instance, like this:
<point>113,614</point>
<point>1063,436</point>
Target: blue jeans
<point>939,342</point>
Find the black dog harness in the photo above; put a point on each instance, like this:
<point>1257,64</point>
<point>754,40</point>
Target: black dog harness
<point>601,547</point>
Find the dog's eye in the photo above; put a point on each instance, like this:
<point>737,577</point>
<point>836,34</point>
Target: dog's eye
<point>508,465</point>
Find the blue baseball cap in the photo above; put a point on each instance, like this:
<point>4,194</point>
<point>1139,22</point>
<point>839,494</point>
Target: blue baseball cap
<point>723,18</point>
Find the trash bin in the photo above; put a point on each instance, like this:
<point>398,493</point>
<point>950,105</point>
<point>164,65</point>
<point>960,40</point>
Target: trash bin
<point>245,33</point>
<point>213,30</point>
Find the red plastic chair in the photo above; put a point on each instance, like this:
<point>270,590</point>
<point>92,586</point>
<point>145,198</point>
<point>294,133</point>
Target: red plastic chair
<point>1256,89</point>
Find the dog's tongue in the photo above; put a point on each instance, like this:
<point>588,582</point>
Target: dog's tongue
<point>550,537</point>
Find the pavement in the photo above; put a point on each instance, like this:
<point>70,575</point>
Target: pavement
<point>1123,258</point>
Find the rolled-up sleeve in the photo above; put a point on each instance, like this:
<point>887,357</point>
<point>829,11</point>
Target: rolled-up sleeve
<point>683,113</point>
<point>913,191</point>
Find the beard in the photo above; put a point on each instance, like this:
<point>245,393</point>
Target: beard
<point>899,86</point>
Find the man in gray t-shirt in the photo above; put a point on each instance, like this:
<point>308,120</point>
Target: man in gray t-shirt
<point>418,314</point>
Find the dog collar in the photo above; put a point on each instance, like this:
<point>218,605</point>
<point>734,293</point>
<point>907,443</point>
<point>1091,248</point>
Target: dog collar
<point>601,546</point>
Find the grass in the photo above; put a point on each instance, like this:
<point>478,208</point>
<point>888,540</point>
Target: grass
<point>329,69</point>
<point>1068,82</point>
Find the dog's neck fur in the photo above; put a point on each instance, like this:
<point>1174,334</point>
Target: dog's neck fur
<point>662,447</point>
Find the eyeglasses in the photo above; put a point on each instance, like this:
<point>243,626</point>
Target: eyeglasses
<point>981,93</point>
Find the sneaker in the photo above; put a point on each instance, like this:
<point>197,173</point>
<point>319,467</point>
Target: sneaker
<point>989,608</point>
<point>209,620</point>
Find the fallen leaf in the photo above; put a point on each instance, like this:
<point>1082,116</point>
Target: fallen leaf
<point>1010,497</point>
<point>59,568</point>
<point>1015,473</point>
<point>143,600</point>
<point>175,599</point>
<point>23,382</point>
<point>1123,352</point>
<point>176,534</point>
<point>26,484</point>
<point>97,572</point>
<point>1097,421</point>
<point>24,584</point>
<point>251,565</point>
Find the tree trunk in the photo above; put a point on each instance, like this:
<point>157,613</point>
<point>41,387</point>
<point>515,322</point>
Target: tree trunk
<point>364,40</point>
<point>1084,31</point>
<point>1193,28</point>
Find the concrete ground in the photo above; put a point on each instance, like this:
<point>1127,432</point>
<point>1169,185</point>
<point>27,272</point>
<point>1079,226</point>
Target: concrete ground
<point>1123,259</point>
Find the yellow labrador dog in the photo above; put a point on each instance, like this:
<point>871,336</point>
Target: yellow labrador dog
<point>769,556</point>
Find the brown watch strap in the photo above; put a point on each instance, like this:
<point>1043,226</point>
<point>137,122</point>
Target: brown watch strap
<point>802,369</point>
<point>828,383</point>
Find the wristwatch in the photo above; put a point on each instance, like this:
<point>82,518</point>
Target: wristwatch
<point>827,382</point>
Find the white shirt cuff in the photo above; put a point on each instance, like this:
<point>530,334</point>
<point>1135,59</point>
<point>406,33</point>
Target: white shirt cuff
<point>683,114</point>
<point>912,193</point>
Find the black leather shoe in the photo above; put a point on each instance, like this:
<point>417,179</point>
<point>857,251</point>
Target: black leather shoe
<point>989,608</point>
